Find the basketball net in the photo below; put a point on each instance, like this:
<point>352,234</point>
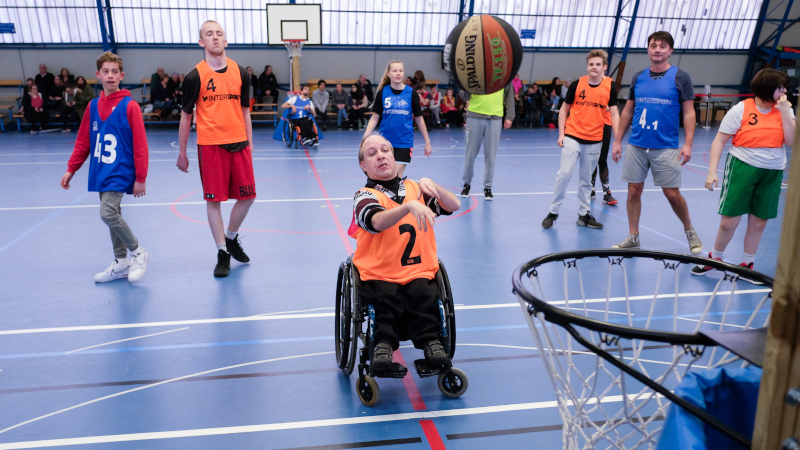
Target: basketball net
<point>602,406</point>
<point>295,52</point>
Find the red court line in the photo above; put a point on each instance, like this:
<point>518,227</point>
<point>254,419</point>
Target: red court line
<point>411,387</point>
<point>339,228</point>
<point>432,434</point>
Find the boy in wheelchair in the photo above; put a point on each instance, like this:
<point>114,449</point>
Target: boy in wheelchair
<point>396,255</point>
<point>302,110</point>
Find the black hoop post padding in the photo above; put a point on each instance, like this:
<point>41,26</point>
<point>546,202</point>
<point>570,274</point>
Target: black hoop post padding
<point>562,317</point>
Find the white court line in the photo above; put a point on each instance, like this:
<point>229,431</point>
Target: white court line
<point>288,200</point>
<point>290,312</point>
<point>328,315</point>
<point>148,386</point>
<point>124,340</point>
<point>295,425</point>
<point>713,323</point>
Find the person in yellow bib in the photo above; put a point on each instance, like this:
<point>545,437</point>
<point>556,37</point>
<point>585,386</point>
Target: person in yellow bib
<point>760,128</point>
<point>396,257</point>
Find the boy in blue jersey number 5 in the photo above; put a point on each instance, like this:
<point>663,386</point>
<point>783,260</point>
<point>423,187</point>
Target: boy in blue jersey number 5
<point>112,131</point>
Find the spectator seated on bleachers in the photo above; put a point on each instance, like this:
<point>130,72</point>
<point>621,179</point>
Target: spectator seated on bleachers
<point>34,108</point>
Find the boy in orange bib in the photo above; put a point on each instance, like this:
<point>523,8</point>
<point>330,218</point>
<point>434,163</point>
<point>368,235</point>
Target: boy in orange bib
<point>580,134</point>
<point>396,255</point>
<point>220,89</point>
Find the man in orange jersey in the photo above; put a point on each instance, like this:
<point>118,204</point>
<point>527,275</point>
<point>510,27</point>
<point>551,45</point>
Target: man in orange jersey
<point>580,134</point>
<point>396,255</point>
<point>220,89</point>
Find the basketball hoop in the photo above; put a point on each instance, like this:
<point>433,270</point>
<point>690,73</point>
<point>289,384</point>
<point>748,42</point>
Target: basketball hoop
<point>294,46</point>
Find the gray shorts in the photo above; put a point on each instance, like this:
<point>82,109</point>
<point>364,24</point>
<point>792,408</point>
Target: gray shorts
<point>664,163</point>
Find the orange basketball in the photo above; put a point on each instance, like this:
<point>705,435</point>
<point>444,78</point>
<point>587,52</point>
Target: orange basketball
<point>482,54</point>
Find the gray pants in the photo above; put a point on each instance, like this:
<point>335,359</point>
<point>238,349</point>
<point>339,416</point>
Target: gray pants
<point>488,132</point>
<point>121,235</point>
<point>570,154</point>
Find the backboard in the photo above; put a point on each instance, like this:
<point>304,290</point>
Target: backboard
<point>302,22</point>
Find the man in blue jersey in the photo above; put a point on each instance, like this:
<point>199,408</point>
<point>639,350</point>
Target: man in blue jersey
<point>302,110</point>
<point>658,96</point>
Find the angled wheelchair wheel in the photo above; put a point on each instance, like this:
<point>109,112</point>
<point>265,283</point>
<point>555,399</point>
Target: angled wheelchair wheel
<point>343,319</point>
<point>446,296</point>
<point>356,322</point>
<point>288,133</point>
<point>453,383</point>
<point>368,390</point>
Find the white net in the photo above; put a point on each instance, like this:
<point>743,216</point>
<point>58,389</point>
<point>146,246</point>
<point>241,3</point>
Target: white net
<point>294,47</point>
<point>601,405</point>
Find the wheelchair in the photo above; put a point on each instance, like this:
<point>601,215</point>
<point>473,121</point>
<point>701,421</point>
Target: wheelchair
<point>291,133</point>
<point>355,322</point>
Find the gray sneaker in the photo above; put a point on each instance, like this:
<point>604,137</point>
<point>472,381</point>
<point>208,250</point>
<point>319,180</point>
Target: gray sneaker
<point>694,241</point>
<point>588,221</point>
<point>382,356</point>
<point>630,242</point>
<point>549,220</point>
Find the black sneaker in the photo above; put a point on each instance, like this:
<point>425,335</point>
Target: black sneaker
<point>609,199</point>
<point>588,221</point>
<point>549,220</point>
<point>701,269</point>
<point>487,194</point>
<point>236,250</point>
<point>592,195</point>
<point>748,279</point>
<point>434,353</point>
<point>465,191</point>
<point>223,264</point>
<point>382,357</point>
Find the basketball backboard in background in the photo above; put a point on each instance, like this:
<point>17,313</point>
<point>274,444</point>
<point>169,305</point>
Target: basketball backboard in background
<point>294,22</point>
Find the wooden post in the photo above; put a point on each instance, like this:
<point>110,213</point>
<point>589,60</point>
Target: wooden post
<point>775,419</point>
<point>296,73</point>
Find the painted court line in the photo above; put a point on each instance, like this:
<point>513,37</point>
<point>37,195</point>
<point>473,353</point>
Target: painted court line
<point>328,315</point>
<point>418,415</point>
<point>125,340</point>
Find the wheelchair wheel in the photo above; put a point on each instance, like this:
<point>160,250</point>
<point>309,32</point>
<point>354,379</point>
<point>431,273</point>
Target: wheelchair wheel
<point>355,315</point>
<point>368,390</point>
<point>288,133</point>
<point>453,383</point>
<point>446,296</point>
<point>343,318</point>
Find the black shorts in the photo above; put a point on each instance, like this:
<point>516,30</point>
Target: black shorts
<point>403,155</point>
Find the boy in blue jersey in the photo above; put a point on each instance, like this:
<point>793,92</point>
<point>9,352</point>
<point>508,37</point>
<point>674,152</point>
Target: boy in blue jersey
<point>112,130</point>
<point>302,110</point>
<point>658,97</point>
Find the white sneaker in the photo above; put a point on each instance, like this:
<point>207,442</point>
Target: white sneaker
<point>695,246</point>
<point>139,259</point>
<point>118,269</point>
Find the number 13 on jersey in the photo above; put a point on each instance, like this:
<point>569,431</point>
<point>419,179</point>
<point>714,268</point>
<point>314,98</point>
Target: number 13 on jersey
<point>643,121</point>
<point>106,151</point>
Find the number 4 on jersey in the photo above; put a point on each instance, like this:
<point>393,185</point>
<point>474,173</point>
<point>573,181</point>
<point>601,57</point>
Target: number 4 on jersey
<point>211,86</point>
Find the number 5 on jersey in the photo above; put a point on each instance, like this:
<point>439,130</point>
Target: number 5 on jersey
<point>109,145</point>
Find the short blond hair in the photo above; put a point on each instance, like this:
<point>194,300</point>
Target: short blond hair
<point>109,57</point>
<point>597,53</point>
<point>200,32</point>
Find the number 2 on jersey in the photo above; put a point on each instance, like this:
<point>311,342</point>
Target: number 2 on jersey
<point>643,121</point>
<point>407,259</point>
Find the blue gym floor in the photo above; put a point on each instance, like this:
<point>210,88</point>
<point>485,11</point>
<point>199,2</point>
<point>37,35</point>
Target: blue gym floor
<point>182,360</point>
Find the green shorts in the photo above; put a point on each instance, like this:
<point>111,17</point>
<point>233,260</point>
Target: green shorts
<point>749,190</point>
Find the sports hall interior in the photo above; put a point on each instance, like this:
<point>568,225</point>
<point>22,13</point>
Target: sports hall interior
<point>181,359</point>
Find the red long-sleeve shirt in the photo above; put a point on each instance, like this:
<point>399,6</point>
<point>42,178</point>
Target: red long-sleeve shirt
<point>105,105</point>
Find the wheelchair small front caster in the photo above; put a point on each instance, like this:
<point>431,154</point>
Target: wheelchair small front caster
<point>368,390</point>
<point>453,383</point>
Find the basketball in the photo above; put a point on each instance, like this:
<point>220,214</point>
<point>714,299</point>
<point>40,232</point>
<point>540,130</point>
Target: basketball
<point>482,54</point>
